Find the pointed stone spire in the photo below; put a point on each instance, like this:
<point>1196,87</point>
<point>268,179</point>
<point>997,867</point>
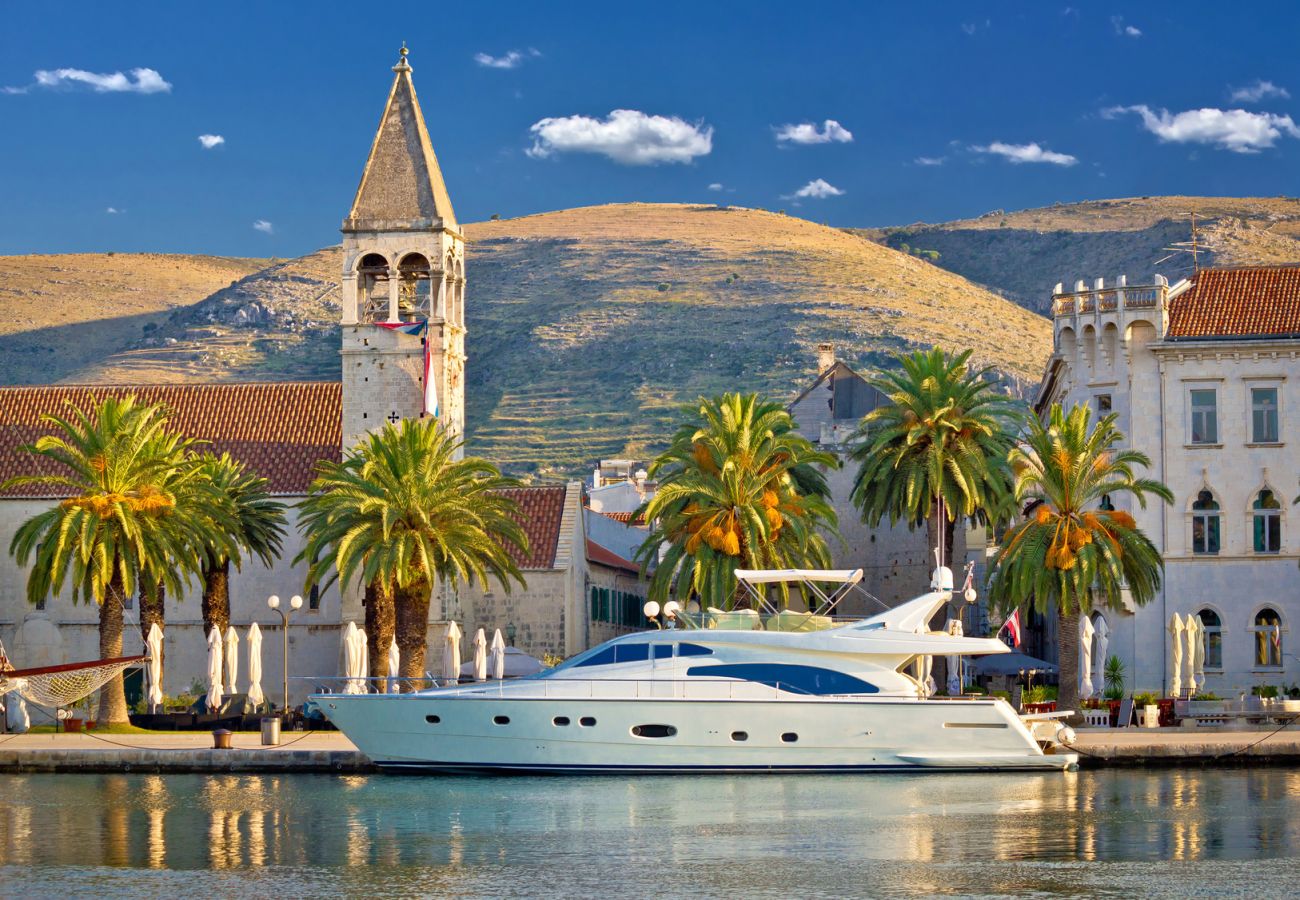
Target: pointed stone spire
<point>401,186</point>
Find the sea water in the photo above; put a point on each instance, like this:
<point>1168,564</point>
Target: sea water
<point>1174,833</point>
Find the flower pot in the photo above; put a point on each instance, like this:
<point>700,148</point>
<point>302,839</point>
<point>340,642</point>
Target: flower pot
<point>72,724</point>
<point>1113,706</point>
<point>1151,716</point>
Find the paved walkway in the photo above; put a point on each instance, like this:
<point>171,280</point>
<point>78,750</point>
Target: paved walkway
<point>1166,746</point>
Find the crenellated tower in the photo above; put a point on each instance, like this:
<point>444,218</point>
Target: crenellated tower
<point>403,280</point>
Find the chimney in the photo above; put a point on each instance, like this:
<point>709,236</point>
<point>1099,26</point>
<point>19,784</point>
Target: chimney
<point>825,357</point>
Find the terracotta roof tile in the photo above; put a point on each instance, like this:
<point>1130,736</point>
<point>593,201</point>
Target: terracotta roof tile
<point>627,518</point>
<point>279,429</point>
<point>606,557</point>
<point>1249,302</point>
<point>541,509</point>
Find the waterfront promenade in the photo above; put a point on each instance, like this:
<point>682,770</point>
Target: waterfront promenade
<point>330,751</point>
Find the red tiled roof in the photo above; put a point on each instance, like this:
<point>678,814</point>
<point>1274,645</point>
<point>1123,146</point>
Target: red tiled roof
<point>541,509</point>
<point>608,558</point>
<point>1249,302</point>
<point>279,429</point>
<point>627,518</point>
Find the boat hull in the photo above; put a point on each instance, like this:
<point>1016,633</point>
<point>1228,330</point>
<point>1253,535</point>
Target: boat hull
<point>487,733</point>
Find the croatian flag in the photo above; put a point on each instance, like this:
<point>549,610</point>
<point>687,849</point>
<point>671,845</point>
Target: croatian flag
<point>430,386</point>
<point>1012,627</point>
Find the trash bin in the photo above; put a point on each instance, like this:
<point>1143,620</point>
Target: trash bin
<point>221,739</point>
<point>271,731</point>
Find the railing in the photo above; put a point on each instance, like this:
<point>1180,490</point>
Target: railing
<point>1108,300</point>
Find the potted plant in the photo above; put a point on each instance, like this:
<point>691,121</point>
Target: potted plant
<point>1039,699</point>
<point>1147,702</point>
<point>1114,687</point>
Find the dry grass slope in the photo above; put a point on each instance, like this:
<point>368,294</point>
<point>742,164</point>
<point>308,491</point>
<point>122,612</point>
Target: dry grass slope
<point>588,327</point>
<point>1023,254</point>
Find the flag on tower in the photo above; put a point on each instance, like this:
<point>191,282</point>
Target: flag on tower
<point>1012,627</point>
<point>430,385</point>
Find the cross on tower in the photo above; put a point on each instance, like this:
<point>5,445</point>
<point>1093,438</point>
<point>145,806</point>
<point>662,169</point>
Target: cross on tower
<point>394,417</point>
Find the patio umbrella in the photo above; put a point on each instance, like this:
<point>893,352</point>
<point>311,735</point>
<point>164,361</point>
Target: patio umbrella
<point>394,665</point>
<point>255,693</point>
<point>1099,664</point>
<point>451,653</point>
<point>1086,631</point>
<point>1198,660</point>
<point>1192,637</point>
<point>498,656</point>
<point>153,645</point>
<point>924,674</point>
<point>215,690</point>
<point>1176,629</point>
<point>232,659</point>
<point>353,647</point>
<point>480,656</point>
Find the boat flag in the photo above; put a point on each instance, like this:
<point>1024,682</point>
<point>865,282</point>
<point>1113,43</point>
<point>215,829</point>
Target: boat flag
<point>1012,627</point>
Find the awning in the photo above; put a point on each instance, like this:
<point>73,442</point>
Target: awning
<point>1012,664</point>
<point>770,576</point>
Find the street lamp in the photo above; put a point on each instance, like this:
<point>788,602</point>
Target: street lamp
<point>295,603</point>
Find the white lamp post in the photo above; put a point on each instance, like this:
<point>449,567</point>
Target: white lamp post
<point>295,603</point>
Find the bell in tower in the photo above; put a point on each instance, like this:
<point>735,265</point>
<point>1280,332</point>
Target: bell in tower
<point>403,280</point>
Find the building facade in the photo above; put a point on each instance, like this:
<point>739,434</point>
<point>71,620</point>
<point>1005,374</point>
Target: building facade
<point>1202,378</point>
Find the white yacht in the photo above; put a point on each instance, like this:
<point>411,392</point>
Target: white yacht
<point>794,692</point>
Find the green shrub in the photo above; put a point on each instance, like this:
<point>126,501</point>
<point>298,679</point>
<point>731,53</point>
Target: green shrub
<point>1145,698</point>
<point>1266,691</point>
<point>1206,697</point>
<point>975,689</point>
<point>1114,675</point>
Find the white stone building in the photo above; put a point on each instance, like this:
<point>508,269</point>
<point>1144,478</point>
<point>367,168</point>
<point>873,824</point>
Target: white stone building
<point>1203,376</point>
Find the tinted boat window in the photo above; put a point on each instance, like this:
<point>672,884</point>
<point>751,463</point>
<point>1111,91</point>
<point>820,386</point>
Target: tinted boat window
<point>797,679</point>
<point>663,651</point>
<point>654,731</point>
<point>618,653</point>
<point>693,650</point>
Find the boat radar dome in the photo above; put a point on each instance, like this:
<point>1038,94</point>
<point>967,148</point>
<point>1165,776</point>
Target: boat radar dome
<point>941,579</point>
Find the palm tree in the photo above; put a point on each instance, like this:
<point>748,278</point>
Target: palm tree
<point>255,527</point>
<point>938,449</point>
<point>1073,551</point>
<point>129,484</point>
<point>401,513</point>
<point>738,488</point>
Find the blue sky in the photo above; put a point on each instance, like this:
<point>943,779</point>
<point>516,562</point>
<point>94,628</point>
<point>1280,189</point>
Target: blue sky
<point>936,110</point>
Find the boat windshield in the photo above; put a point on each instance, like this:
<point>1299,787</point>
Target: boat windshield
<point>639,651</point>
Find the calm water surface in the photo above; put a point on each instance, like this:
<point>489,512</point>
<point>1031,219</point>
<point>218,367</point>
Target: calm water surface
<point>1118,833</point>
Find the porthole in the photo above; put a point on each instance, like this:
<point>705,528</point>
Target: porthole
<point>560,720</point>
<point>433,720</point>
<point>587,721</point>
<point>653,731</point>
<point>500,720</point>
<point>740,735</point>
<point>789,737</point>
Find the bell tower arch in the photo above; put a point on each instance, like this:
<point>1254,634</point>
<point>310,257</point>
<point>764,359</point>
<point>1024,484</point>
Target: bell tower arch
<point>403,351</point>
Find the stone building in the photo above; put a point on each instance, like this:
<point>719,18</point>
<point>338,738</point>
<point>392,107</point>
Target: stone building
<point>402,356</point>
<point>1202,376</point>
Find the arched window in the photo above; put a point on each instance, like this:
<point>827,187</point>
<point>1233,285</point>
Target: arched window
<point>1267,523</point>
<point>1212,625</point>
<point>1107,504</point>
<point>414,296</point>
<point>1205,524</point>
<point>372,288</point>
<point>1268,638</point>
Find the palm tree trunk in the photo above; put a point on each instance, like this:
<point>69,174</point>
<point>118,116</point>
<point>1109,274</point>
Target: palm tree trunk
<point>380,624</point>
<point>216,597</point>
<point>112,696</point>
<point>1067,637</point>
<point>152,595</point>
<point>412,604</point>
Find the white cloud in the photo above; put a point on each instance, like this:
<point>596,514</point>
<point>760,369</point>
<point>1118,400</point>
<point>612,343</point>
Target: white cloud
<point>1125,30</point>
<point>809,133</point>
<point>112,210</point>
<point>626,136</point>
<point>1026,153</point>
<point>511,60</point>
<point>930,160</point>
<point>263,226</point>
<point>817,189</point>
<point>1230,129</point>
<point>1260,90</point>
<point>211,140</point>
<point>716,186</point>
<point>140,81</point>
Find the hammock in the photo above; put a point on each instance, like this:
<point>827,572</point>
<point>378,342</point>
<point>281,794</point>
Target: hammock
<point>63,685</point>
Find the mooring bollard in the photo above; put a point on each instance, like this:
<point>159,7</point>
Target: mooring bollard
<point>271,731</point>
<point>221,739</point>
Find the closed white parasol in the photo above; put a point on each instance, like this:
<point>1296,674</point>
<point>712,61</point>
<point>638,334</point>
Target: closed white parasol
<point>255,694</point>
<point>480,656</point>
<point>394,665</point>
<point>232,659</point>
<point>353,650</point>
<point>497,662</point>
<point>1192,638</point>
<point>1099,663</point>
<point>154,645</point>
<point>1176,629</point>
<point>216,693</point>
<point>1086,632</point>
<point>451,654</point>
<point>954,661</point>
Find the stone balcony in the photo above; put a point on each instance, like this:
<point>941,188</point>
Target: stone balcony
<point>1103,299</point>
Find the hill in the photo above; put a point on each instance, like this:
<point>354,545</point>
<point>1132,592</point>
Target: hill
<point>588,327</point>
<point>1021,255</point>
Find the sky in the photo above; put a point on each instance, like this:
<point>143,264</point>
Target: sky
<point>241,129</point>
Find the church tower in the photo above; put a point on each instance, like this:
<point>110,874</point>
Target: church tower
<point>403,281</point>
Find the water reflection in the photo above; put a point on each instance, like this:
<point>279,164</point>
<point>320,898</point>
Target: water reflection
<point>366,834</point>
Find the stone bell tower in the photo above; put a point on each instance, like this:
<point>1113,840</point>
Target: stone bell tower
<point>403,280</point>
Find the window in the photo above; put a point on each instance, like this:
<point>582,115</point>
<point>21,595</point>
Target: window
<point>587,721</point>
<point>1103,404</point>
<point>1205,524</point>
<point>1268,523</point>
<point>1205,416</point>
<point>500,720</point>
<point>1263,415</point>
<point>432,720</point>
<point>313,598</point>
<point>787,677</point>
<point>1268,638</point>
<point>693,650</point>
<point>1213,628</point>
<point>561,721</point>
<point>789,737</point>
<point>1107,504</point>
<point>739,736</point>
<point>653,731</point>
